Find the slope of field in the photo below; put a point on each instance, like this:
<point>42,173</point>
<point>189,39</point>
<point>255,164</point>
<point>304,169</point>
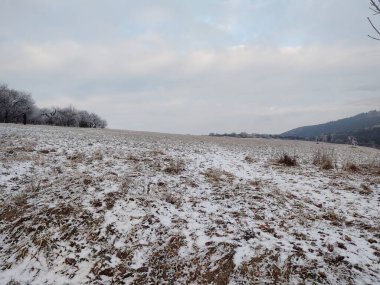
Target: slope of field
<point>115,207</point>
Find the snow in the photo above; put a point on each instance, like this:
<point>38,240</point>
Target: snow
<point>83,206</point>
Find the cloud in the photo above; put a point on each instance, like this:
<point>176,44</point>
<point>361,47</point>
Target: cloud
<point>193,67</point>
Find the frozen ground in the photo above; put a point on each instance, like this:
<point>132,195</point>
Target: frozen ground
<point>115,207</point>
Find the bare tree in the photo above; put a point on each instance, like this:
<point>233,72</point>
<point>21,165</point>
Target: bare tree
<point>375,7</point>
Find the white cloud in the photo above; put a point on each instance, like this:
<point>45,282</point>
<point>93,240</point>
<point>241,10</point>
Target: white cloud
<point>258,66</point>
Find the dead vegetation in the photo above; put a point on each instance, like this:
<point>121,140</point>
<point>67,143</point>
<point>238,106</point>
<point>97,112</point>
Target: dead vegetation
<point>217,176</point>
<point>249,159</point>
<point>351,167</point>
<point>365,189</point>
<point>287,160</point>
<point>325,159</point>
<point>137,215</point>
<point>175,166</point>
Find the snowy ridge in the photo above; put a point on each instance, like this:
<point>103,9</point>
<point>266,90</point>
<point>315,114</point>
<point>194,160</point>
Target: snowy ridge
<point>116,207</point>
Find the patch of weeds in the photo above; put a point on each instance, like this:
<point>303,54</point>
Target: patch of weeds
<point>286,159</point>
<point>249,159</point>
<point>20,199</point>
<point>111,199</point>
<point>333,217</point>
<point>175,166</point>
<point>371,168</point>
<point>98,155</point>
<point>163,266</point>
<point>173,199</point>
<point>127,183</point>
<point>326,160</point>
<point>213,174</point>
<point>77,157</point>
<point>133,158</point>
<point>351,167</point>
<point>34,186</point>
<point>257,184</point>
<point>96,203</point>
<point>217,176</point>
<point>87,181</point>
<point>22,253</point>
<point>365,189</point>
<point>157,152</point>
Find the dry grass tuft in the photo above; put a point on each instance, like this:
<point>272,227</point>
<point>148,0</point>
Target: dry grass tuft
<point>256,183</point>
<point>326,160</point>
<point>173,199</point>
<point>216,176</point>
<point>20,199</point>
<point>98,155</point>
<point>365,189</point>
<point>163,266</point>
<point>333,217</point>
<point>175,166</point>
<point>286,159</point>
<point>77,157</point>
<point>351,167</point>
<point>133,158</point>
<point>371,168</point>
<point>127,183</point>
<point>249,159</point>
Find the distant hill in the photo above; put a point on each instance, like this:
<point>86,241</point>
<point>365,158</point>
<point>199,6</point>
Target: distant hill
<point>364,128</point>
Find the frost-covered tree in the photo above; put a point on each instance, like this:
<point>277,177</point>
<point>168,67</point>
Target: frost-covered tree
<point>19,107</point>
<point>15,106</point>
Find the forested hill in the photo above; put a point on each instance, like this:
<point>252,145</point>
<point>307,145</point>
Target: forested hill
<point>365,127</point>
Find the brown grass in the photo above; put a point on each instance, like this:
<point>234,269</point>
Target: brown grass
<point>126,183</point>
<point>365,189</point>
<point>77,157</point>
<point>249,159</point>
<point>175,166</point>
<point>351,167</point>
<point>287,160</point>
<point>174,199</point>
<point>217,176</point>
<point>326,160</point>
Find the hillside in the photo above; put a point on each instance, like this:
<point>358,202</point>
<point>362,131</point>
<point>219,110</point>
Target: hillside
<point>364,126</point>
<point>98,206</point>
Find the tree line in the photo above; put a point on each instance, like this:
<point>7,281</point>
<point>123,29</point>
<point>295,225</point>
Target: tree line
<point>19,107</point>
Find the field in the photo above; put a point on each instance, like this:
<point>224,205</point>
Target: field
<point>89,206</point>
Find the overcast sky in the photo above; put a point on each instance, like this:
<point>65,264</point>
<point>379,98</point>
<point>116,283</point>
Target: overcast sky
<point>262,66</point>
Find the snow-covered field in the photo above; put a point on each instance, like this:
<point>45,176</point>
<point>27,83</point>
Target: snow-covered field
<point>82,206</point>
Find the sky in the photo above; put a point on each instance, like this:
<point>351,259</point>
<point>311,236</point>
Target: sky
<point>194,67</point>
